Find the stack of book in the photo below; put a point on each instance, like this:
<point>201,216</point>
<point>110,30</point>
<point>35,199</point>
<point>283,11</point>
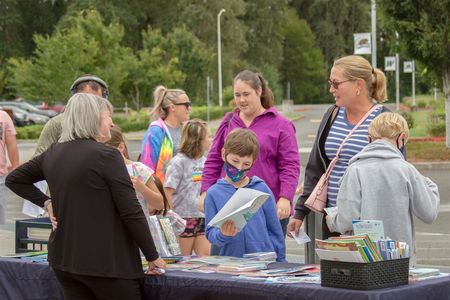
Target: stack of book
<point>391,249</point>
<point>262,256</point>
<point>348,248</point>
<point>422,273</point>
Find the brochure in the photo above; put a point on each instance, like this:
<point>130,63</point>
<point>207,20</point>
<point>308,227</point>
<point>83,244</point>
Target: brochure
<point>240,208</point>
<point>373,228</point>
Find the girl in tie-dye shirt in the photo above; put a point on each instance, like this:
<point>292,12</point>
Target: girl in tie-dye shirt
<point>183,182</point>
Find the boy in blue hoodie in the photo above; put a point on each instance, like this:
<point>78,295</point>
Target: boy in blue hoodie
<point>263,232</point>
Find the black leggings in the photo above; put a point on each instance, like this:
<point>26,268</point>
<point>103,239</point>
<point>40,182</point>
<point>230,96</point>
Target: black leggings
<point>84,287</point>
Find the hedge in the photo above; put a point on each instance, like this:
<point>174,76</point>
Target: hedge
<point>131,124</point>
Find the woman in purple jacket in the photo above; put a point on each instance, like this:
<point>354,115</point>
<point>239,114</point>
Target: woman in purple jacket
<point>278,162</point>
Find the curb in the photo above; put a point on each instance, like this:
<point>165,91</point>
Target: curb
<point>432,165</point>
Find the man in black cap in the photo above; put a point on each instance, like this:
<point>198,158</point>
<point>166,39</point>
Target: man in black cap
<point>52,130</point>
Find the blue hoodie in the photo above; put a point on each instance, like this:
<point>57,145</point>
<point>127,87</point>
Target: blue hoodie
<point>261,234</point>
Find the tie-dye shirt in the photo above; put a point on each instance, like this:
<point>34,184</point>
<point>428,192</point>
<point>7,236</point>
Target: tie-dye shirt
<point>184,175</point>
<point>157,148</point>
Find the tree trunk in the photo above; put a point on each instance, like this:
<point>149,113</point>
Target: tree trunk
<point>446,88</point>
<point>138,108</point>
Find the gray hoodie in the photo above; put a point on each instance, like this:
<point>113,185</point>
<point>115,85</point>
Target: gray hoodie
<point>380,185</point>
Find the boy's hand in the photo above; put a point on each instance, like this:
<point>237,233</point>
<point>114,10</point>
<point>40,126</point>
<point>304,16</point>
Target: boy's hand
<point>283,208</point>
<point>228,228</point>
<point>138,185</point>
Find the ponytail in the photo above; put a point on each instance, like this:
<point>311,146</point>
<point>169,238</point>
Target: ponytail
<point>378,88</point>
<point>256,81</point>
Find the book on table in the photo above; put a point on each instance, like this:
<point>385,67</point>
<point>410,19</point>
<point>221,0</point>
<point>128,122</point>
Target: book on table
<point>240,208</point>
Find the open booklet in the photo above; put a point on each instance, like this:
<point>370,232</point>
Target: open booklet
<point>240,208</point>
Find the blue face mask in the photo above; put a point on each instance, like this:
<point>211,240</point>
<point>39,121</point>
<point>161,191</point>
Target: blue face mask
<point>234,173</point>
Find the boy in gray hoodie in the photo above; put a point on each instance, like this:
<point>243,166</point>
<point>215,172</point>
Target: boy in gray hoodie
<point>380,185</point>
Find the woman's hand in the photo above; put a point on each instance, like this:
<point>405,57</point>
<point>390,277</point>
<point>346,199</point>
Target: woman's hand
<point>294,226</point>
<point>156,267</point>
<point>283,208</point>
<point>52,216</point>
<point>228,228</point>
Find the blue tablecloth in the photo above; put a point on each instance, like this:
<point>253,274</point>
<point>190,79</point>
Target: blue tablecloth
<point>24,280</point>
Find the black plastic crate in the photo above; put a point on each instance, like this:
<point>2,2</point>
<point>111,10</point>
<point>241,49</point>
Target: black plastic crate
<point>364,276</point>
<point>23,241</point>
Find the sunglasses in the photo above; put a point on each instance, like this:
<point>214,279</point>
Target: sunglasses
<point>335,84</point>
<point>186,104</point>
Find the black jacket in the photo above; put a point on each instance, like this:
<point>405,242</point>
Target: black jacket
<point>100,221</point>
<point>318,162</point>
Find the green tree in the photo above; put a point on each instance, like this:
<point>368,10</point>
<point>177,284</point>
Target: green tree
<point>424,27</point>
<point>303,64</point>
<point>20,19</point>
<point>80,45</point>
<point>334,23</point>
<point>151,67</point>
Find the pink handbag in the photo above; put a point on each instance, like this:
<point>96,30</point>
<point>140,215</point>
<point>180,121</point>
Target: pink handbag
<point>317,200</point>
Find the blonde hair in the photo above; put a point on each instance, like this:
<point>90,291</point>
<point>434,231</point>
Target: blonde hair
<point>164,97</point>
<point>388,125</point>
<point>193,134</point>
<point>242,142</point>
<point>82,117</point>
<point>356,67</point>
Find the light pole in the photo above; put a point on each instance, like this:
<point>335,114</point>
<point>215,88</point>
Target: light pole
<point>374,33</point>
<point>219,57</point>
<point>397,75</point>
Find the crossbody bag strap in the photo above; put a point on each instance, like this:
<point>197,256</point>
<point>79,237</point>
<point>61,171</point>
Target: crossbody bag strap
<point>336,158</point>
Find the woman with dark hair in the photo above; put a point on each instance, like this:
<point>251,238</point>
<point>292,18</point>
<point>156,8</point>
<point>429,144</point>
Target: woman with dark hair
<point>278,162</point>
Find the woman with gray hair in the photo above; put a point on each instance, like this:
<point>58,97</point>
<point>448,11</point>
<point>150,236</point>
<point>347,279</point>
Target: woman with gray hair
<point>94,248</point>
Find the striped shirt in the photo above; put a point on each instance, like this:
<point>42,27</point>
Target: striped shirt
<point>340,128</point>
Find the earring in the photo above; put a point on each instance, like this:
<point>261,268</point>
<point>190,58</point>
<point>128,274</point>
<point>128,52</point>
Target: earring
<point>357,92</point>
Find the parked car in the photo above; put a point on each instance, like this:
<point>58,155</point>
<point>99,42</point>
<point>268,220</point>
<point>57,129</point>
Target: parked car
<point>32,118</point>
<point>19,119</point>
<point>29,108</point>
<point>58,107</point>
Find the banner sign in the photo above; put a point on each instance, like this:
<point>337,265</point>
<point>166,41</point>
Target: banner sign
<point>362,43</point>
<point>408,66</point>
<point>389,63</point>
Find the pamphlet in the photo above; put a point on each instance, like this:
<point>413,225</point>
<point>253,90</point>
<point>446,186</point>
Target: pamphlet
<point>373,228</point>
<point>240,208</point>
<point>301,237</point>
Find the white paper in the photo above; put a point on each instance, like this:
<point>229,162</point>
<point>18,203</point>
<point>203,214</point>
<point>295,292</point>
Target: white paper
<point>301,238</point>
<point>240,208</point>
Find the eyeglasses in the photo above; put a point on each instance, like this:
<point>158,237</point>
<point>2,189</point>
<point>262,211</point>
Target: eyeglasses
<point>186,104</point>
<point>335,84</point>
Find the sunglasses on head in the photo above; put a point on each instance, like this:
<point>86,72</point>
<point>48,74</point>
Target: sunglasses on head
<point>335,84</point>
<point>186,104</point>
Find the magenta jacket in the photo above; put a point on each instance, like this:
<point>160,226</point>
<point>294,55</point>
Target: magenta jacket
<point>278,163</point>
